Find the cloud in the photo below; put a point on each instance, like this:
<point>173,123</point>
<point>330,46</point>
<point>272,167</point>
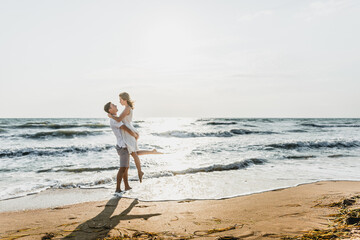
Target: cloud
<point>324,8</point>
<point>252,16</point>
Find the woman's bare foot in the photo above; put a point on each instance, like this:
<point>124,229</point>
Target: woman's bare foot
<point>154,151</point>
<point>141,174</point>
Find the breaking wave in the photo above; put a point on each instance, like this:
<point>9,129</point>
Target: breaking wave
<point>329,125</point>
<point>51,151</point>
<point>61,134</point>
<point>338,156</point>
<point>300,157</point>
<point>297,131</point>
<point>78,170</point>
<point>314,145</point>
<point>221,123</point>
<point>231,133</point>
<point>245,131</point>
<point>213,168</point>
<point>219,167</point>
<point>57,126</point>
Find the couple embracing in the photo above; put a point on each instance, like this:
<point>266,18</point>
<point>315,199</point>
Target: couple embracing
<point>126,139</point>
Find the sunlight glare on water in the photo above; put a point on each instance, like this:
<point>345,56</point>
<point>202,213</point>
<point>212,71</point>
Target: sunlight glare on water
<point>203,158</point>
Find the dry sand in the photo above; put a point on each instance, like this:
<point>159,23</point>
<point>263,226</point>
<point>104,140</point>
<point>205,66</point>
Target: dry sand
<point>268,215</point>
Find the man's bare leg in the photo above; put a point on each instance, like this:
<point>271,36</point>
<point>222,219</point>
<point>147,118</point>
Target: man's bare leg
<point>126,182</point>
<point>120,175</point>
<point>138,166</point>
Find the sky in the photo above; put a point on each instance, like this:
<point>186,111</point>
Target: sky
<point>188,58</point>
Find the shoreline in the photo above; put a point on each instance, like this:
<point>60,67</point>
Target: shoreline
<point>50,198</point>
<point>266,215</point>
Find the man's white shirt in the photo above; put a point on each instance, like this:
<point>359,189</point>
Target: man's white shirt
<point>115,127</point>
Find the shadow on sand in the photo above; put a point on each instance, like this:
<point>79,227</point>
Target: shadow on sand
<point>99,226</point>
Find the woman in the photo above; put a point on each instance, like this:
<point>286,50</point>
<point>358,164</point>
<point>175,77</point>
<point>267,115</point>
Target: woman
<point>130,141</point>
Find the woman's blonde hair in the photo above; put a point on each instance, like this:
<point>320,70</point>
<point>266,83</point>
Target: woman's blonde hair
<point>125,96</point>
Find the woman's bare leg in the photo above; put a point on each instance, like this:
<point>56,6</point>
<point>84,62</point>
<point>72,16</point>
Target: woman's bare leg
<point>138,166</point>
<point>146,152</point>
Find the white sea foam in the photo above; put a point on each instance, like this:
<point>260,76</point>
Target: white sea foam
<point>204,158</point>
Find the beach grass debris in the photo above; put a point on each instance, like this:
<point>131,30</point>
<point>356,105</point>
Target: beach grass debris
<point>15,237</point>
<point>67,224</point>
<point>345,223</point>
<point>48,236</point>
<point>24,229</point>
<point>19,236</point>
<point>217,220</point>
<point>136,235</point>
<point>348,217</point>
<point>75,230</point>
<point>143,206</point>
<point>186,201</point>
<point>227,238</point>
<point>165,235</point>
<point>342,203</point>
<point>215,230</point>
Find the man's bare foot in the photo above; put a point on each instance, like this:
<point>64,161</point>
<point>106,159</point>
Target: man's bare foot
<point>128,188</point>
<point>118,191</point>
<point>141,174</point>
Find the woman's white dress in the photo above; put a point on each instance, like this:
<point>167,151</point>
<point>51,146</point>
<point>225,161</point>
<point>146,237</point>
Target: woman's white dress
<point>129,140</point>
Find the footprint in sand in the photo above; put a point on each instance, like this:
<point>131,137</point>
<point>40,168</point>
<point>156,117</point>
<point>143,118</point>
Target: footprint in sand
<point>292,205</point>
<point>292,215</point>
<point>187,213</point>
<point>143,206</point>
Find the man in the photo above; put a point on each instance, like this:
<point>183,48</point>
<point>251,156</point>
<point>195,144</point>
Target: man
<point>120,147</point>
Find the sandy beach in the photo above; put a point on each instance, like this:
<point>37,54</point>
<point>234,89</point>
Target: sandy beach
<point>268,215</point>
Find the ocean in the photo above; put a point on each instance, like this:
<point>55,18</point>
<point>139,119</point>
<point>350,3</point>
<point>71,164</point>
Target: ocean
<point>204,158</point>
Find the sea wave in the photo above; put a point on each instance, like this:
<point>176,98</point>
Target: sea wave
<point>49,125</point>
<point>249,125</point>
<point>216,167</point>
<point>50,151</point>
<point>92,184</point>
<point>60,134</point>
<point>297,131</point>
<point>245,131</point>
<point>266,120</point>
<point>138,121</point>
<point>314,145</point>
<point>78,170</point>
<point>300,157</point>
<point>221,123</point>
<point>103,181</point>
<point>329,125</point>
<point>231,133</point>
<point>338,156</point>
<point>220,167</point>
<point>185,134</point>
<point>220,120</point>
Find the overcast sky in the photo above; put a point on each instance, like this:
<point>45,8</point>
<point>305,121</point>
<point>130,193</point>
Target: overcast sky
<point>279,58</point>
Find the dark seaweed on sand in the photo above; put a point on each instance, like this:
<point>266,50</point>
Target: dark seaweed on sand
<point>346,223</point>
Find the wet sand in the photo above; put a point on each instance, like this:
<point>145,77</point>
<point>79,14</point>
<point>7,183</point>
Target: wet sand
<point>267,215</point>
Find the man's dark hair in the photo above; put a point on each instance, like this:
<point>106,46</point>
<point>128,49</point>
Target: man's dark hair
<point>107,107</point>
